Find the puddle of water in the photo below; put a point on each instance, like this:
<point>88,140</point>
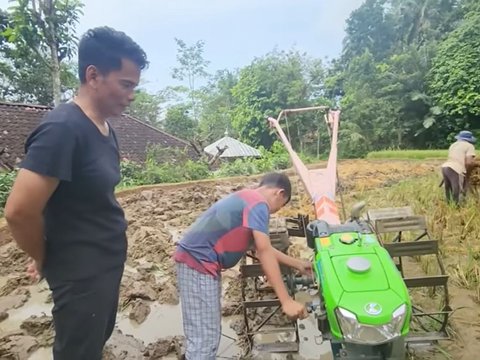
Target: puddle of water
<point>34,306</point>
<point>42,354</point>
<point>163,321</point>
<point>166,320</point>
<point>228,343</point>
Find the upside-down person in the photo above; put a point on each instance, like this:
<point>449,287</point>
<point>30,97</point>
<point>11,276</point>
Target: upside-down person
<point>217,240</point>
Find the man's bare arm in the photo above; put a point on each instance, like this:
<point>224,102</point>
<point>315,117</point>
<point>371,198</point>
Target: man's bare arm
<point>268,259</point>
<point>287,260</point>
<point>266,255</point>
<point>24,211</point>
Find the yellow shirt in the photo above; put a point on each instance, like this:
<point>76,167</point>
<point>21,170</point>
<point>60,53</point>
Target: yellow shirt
<point>457,153</point>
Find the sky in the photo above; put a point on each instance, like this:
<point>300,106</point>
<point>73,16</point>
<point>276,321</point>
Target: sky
<point>234,31</point>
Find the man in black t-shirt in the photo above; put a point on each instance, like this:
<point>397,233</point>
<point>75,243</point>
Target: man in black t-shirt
<point>62,210</point>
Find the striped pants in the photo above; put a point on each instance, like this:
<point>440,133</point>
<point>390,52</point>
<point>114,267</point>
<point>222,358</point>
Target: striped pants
<point>200,296</point>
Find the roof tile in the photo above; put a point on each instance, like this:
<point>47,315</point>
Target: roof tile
<point>134,136</point>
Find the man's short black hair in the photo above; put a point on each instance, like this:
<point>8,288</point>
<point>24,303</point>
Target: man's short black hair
<point>105,48</point>
<point>278,180</point>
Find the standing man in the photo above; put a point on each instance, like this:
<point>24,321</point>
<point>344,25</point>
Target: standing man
<point>218,240</point>
<point>62,210</point>
<point>461,156</point>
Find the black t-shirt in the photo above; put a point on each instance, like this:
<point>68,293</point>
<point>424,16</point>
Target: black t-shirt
<point>85,227</point>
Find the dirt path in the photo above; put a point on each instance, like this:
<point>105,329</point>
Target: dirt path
<point>149,320</point>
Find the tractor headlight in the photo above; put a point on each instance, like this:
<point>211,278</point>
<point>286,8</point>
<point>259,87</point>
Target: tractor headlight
<point>355,332</point>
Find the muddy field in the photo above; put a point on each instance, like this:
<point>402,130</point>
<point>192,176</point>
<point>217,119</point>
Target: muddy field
<point>149,320</point>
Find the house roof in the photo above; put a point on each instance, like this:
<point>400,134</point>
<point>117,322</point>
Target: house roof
<point>234,149</point>
<point>18,120</point>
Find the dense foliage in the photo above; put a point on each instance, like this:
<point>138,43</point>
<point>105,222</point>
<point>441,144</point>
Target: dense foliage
<point>156,171</point>
<point>407,78</point>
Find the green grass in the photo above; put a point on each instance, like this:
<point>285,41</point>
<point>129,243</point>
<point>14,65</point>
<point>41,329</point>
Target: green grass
<point>408,154</point>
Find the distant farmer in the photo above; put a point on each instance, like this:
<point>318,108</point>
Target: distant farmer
<point>461,156</point>
<point>62,210</point>
<point>217,240</point>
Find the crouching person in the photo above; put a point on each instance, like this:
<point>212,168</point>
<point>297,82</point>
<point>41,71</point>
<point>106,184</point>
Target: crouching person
<point>217,240</point>
<point>460,162</point>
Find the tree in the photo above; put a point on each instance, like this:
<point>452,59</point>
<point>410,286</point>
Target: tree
<point>422,22</point>
<point>454,80</point>
<point>370,27</point>
<point>217,106</point>
<point>381,78</point>
<point>46,30</point>
<point>277,81</point>
<point>146,107</point>
<point>179,123</point>
<point>23,78</point>
<point>192,66</point>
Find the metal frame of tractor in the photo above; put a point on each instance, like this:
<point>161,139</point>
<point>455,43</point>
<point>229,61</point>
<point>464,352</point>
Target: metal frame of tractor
<point>400,221</point>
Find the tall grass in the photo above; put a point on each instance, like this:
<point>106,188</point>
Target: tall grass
<point>408,154</point>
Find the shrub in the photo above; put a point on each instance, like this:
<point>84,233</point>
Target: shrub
<point>130,172</point>
<point>195,170</point>
<point>154,172</point>
<point>277,158</point>
<point>239,167</point>
<point>179,168</point>
<point>6,181</point>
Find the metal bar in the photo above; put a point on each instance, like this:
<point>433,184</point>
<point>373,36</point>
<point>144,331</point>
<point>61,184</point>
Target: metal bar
<point>421,324</point>
<point>292,111</point>
<point>387,213</point>
<point>255,270</point>
<point>296,226</point>
<point>278,347</point>
<point>432,314</point>
<point>264,321</point>
<point>426,281</point>
<point>424,247</point>
<point>245,315</point>
<point>261,303</point>
<point>420,237</point>
<point>409,223</point>
<point>426,337</point>
<point>273,331</point>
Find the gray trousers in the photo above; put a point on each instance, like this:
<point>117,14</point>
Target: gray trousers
<point>454,184</point>
<point>200,296</point>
